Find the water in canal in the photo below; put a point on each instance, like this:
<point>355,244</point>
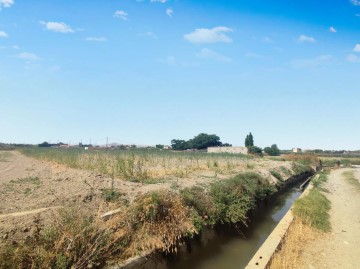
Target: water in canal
<point>227,248</point>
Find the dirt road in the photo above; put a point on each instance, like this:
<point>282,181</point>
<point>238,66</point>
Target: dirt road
<point>341,249</point>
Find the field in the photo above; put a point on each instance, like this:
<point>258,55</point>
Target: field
<point>194,189</point>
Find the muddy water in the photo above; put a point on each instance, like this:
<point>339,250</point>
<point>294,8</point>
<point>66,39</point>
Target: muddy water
<point>228,248</point>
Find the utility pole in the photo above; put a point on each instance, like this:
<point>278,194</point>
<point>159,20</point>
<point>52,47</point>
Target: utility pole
<point>107,141</point>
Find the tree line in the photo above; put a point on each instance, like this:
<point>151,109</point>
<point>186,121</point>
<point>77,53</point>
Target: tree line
<point>199,142</point>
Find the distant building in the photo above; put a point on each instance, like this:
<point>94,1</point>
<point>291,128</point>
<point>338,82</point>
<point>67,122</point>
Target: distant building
<point>234,150</point>
<point>296,150</point>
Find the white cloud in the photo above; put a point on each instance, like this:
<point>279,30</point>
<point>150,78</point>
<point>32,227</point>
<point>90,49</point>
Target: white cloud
<point>15,47</point>
<point>214,35</point>
<point>59,27</point>
<point>28,56</point>
<point>3,34</point>
<point>96,39</point>
<point>353,58</point>
<point>121,14</point>
<point>159,1</point>
<point>332,29</point>
<point>355,2</point>
<point>312,63</point>
<point>210,54</point>
<point>169,12</point>
<point>6,3</point>
<point>357,48</point>
<point>304,38</point>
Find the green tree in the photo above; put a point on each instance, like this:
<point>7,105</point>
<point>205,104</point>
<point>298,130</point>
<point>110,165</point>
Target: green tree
<point>177,144</point>
<point>249,140</point>
<point>203,141</point>
<point>272,151</point>
<point>255,150</point>
<point>159,146</point>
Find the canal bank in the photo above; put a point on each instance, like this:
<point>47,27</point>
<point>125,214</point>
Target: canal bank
<point>227,246</point>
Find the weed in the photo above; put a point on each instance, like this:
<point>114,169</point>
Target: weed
<point>111,195</point>
<point>75,240</point>
<point>350,177</point>
<point>276,175</point>
<point>313,209</point>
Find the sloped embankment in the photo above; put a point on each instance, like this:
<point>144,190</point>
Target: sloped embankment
<point>156,221</point>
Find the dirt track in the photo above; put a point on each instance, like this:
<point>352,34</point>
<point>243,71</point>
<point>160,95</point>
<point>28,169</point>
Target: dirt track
<point>340,250</point>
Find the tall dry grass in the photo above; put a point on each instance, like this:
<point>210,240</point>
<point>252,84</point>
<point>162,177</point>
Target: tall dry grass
<point>297,238</point>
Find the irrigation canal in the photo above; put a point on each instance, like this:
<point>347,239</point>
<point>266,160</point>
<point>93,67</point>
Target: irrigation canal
<point>228,248</point>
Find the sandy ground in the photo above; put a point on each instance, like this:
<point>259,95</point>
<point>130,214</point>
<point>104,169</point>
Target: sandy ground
<point>341,249</point>
<point>31,188</point>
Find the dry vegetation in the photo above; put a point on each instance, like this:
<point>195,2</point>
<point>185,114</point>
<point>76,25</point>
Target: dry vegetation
<point>140,165</point>
<point>158,219</point>
<point>311,222</point>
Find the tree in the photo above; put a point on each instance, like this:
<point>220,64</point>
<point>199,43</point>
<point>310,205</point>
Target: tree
<point>272,151</point>
<point>204,141</point>
<point>177,144</point>
<point>249,140</point>
<point>159,146</point>
<point>254,150</point>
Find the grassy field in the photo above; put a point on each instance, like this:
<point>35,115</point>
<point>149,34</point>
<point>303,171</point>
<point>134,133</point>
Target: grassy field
<point>140,165</point>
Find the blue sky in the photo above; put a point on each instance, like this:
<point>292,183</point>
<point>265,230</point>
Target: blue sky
<point>146,72</point>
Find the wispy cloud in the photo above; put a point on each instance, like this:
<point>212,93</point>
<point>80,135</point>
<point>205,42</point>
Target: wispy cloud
<point>312,63</point>
<point>96,39</point>
<point>121,14</point>
<point>170,60</point>
<point>6,3</point>
<point>3,34</point>
<point>355,2</point>
<point>267,39</point>
<point>357,48</point>
<point>28,56</point>
<point>332,29</point>
<point>254,55</point>
<point>352,58</point>
<point>59,27</point>
<point>159,1</point>
<point>210,54</point>
<point>169,12</point>
<point>148,34</point>
<point>305,38</point>
<point>214,35</point>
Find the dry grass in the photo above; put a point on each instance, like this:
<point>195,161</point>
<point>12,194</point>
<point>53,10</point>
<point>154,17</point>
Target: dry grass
<point>305,159</point>
<point>142,165</point>
<point>350,177</point>
<point>289,255</point>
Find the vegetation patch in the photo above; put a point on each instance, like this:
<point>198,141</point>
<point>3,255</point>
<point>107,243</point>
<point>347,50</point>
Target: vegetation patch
<point>226,201</point>
<point>350,177</point>
<point>75,240</point>
<point>314,209</point>
<point>276,175</point>
<point>4,156</point>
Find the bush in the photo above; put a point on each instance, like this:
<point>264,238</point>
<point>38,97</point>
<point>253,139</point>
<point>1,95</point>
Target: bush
<point>74,241</point>
<point>255,150</point>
